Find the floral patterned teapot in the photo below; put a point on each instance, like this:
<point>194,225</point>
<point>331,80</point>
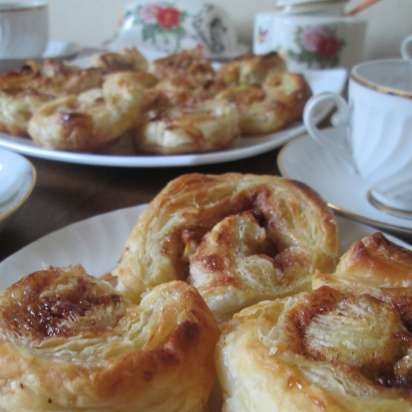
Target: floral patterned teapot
<point>163,27</point>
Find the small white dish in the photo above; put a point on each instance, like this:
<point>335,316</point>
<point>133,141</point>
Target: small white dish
<point>17,180</point>
<point>97,244</point>
<point>55,50</point>
<point>327,170</point>
<point>319,80</point>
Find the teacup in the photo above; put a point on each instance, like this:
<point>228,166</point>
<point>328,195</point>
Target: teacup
<point>378,120</point>
<point>406,48</point>
<point>24,28</point>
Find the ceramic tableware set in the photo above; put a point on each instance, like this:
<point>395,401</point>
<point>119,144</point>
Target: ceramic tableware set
<point>363,164</point>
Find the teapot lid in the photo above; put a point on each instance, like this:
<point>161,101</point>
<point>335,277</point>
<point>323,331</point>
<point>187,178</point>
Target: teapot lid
<point>283,3</point>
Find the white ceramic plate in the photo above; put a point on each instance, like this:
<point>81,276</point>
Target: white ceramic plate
<point>17,180</point>
<point>320,81</point>
<point>325,168</point>
<point>97,244</point>
<point>55,50</point>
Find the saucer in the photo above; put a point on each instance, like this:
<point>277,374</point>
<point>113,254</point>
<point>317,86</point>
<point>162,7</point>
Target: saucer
<point>327,169</point>
<point>55,50</point>
<point>17,180</point>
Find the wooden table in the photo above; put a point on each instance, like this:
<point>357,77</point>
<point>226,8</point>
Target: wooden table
<point>66,193</point>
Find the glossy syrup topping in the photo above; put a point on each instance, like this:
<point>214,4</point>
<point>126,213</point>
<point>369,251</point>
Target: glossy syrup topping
<point>59,303</point>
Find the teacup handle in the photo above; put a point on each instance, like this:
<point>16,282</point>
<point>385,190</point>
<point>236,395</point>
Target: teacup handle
<point>339,119</point>
<point>406,48</point>
<point>314,105</point>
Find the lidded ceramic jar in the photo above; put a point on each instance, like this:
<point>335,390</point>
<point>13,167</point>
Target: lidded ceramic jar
<point>311,34</point>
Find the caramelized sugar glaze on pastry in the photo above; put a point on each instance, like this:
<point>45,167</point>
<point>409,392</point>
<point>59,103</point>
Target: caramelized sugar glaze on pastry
<point>237,238</point>
<point>70,342</point>
<point>345,348</point>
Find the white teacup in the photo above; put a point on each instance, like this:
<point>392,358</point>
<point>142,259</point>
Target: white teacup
<point>24,28</point>
<point>379,129</point>
<point>406,48</point>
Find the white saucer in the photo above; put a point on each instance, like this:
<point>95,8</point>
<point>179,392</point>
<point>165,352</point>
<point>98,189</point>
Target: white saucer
<point>55,50</point>
<point>326,170</point>
<point>17,180</point>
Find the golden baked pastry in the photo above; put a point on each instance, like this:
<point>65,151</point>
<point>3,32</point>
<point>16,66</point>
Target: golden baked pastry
<point>344,347</point>
<point>372,265</point>
<point>241,238</point>
<point>250,70</point>
<point>51,77</point>
<point>92,119</point>
<point>199,128</point>
<point>129,59</point>
<point>187,65</point>
<point>320,351</point>
<point>23,93</point>
<point>70,342</point>
<point>186,78</point>
<point>269,107</point>
<point>17,108</point>
<point>378,267</point>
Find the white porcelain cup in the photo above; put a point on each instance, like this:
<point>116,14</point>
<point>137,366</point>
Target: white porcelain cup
<point>406,48</point>
<point>310,41</point>
<point>24,28</point>
<point>378,119</point>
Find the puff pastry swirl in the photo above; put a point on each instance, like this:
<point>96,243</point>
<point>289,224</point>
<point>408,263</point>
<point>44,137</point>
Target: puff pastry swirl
<point>70,342</point>
<point>237,238</point>
<point>318,351</point>
<point>341,349</point>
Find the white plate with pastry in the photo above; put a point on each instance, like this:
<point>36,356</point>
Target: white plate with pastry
<point>261,248</point>
<point>327,169</point>
<point>17,180</point>
<point>97,244</point>
<point>320,81</point>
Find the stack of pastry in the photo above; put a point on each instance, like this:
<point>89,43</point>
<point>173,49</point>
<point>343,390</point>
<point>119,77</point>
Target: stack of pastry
<point>178,104</point>
<point>253,259</point>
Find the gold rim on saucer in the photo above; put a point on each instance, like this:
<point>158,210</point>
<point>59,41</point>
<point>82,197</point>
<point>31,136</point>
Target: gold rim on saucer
<point>404,214</point>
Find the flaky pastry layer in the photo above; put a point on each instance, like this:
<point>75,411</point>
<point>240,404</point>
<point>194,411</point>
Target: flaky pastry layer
<point>70,342</point>
<point>237,238</point>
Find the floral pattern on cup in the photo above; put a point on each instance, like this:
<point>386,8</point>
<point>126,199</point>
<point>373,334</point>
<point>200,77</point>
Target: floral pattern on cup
<point>319,46</point>
<point>162,24</point>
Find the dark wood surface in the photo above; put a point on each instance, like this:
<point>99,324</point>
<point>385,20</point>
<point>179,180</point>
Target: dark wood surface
<point>66,193</point>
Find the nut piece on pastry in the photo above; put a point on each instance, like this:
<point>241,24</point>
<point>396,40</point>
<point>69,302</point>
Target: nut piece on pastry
<point>264,109</point>
<point>320,351</point>
<point>199,128</point>
<point>241,238</point>
<point>92,119</point>
<point>70,342</point>
<point>125,60</point>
